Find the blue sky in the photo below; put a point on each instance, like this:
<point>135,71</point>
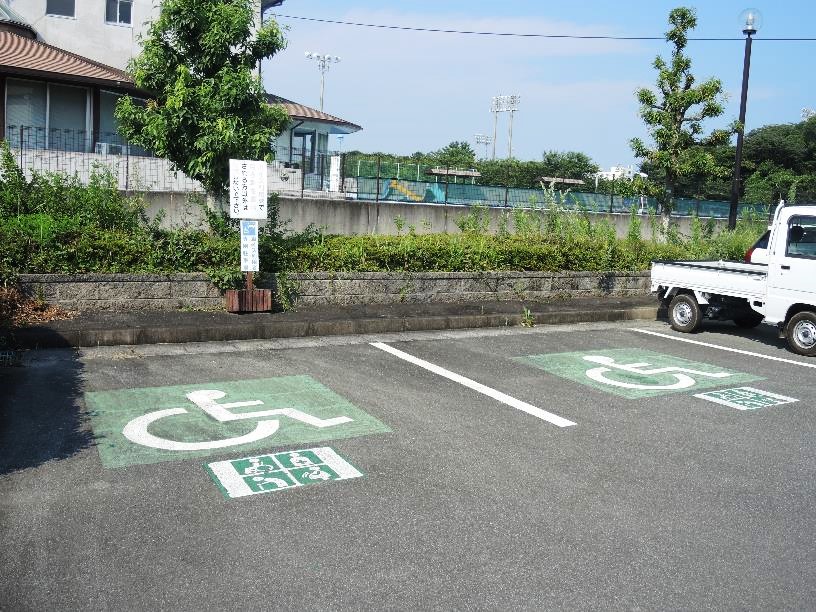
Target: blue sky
<point>417,91</point>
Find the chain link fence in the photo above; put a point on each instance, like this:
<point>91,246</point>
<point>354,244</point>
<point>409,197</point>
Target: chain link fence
<point>315,174</point>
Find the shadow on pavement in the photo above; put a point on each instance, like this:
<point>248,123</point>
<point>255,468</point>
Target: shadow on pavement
<point>41,416</point>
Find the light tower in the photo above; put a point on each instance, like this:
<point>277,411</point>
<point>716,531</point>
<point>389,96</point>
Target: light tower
<point>323,63</point>
<point>483,139</point>
<point>504,104</point>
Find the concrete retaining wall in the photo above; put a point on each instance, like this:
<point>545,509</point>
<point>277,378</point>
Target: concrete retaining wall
<point>352,217</point>
<point>177,291</point>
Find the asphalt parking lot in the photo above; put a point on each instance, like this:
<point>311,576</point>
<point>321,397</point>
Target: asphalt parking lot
<point>614,465</point>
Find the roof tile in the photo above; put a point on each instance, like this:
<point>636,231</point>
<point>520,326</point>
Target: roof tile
<point>31,56</point>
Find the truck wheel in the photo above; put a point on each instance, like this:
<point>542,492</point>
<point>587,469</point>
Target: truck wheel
<point>748,320</point>
<point>684,313</point>
<point>801,333</point>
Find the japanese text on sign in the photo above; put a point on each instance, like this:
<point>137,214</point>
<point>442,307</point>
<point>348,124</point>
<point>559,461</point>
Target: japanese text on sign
<point>248,189</point>
<point>249,246</point>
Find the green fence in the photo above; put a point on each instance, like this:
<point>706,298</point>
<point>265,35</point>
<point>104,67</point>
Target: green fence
<point>432,192</point>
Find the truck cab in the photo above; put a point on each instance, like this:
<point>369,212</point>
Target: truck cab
<point>791,263</point>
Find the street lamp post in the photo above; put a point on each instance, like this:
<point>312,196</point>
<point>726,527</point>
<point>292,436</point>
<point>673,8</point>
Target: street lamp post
<point>323,63</point>
<point>752,22</point>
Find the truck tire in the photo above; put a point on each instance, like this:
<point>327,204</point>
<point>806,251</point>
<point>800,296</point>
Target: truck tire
<point>685,313</point>
<point>801,333</point>
<point>748,320</point>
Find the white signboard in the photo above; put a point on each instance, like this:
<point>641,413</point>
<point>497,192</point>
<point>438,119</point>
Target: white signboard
<point>249,246</point>
<point>248,189</point>
<point>334,173</point>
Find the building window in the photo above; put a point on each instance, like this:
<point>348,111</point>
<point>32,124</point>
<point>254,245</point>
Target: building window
<point>47,116</point>
<point>119,11</point>
<point>64,8</point>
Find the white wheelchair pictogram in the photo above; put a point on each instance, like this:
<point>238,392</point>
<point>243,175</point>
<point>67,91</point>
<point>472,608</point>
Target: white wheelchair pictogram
<point>684,377</point>
<point>137,430</point>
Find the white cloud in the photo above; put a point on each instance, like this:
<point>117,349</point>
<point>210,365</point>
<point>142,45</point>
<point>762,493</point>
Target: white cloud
<point>418,91</point>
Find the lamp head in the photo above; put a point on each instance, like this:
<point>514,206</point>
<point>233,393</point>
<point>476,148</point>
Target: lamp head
<point>751,20</point>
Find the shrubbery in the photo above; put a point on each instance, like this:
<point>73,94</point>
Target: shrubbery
<point>53,224</point>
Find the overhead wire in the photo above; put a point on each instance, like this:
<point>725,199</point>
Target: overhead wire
<point>515,34</point>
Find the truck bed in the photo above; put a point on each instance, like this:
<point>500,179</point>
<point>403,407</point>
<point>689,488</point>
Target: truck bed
<point>732,278</point>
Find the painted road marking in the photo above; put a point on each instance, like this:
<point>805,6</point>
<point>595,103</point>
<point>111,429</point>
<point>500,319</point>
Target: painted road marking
<point>683,380</point>
<point>634,373</point>
<point>746,398</point>
<point>266,473</point>
<point>150,425</point>
<point>472,384</point>
<point>725,348</point>
<point>136,430</point>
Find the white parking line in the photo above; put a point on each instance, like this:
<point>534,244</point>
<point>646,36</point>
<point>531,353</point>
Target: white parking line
<point>725,348</point>
<point>472,384</point>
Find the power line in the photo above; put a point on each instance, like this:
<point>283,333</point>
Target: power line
<point>515,34</point>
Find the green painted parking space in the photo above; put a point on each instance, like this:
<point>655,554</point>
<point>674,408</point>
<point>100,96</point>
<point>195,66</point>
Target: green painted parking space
<point>279,471</point>
<point>635,373</point>
<point>155,424</point>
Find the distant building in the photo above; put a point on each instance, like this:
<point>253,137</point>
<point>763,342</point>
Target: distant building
<point>618,172</point>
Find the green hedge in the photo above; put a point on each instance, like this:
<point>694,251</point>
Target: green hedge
<point>51,223</point>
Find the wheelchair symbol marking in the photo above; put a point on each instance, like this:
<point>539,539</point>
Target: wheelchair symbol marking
<point>137,429</point>
<point>681,375</point>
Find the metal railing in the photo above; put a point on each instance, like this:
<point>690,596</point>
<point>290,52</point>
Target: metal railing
<point>80,153</point>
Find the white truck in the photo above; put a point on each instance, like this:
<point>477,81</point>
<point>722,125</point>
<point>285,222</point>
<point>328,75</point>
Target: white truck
<point>781,292</point>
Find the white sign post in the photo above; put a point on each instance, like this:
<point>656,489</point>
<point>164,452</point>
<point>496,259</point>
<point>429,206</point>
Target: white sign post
<point>334,173</point>
<point>248,189</point>
<point>248,202</point>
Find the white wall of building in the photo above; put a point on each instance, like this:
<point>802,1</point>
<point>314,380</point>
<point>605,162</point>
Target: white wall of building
<point>617,172</point>
<point>88,33</point>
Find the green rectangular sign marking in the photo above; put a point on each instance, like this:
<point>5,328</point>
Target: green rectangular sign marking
<point>635,373</point>
<point>746,398</point>
<point>150,425</point>
<point>266,473</point>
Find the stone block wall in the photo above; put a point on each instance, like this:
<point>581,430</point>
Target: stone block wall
<point>178,291</point>
<point>124,291</point>
<point>321,288</point>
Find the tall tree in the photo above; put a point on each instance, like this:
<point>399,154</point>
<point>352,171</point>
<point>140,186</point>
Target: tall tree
<point>455,155</point>
<point>674,115</point>
<point>208,105</point>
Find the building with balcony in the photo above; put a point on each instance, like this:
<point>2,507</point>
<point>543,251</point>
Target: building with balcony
<point>62,70</point>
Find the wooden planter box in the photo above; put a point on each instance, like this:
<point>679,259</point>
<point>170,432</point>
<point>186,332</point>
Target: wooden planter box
<point>249,300</point>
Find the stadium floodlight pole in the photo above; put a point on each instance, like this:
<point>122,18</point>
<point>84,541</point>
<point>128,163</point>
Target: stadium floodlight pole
<point>323,63</point>
<point>494,108</point>
<point>483,139</point>
<point>751,22</point>
<point>513,107</point>
<point>504,104</point>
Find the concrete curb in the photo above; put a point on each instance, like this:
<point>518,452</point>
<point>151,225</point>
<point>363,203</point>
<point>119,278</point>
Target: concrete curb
<point>44,337</point>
